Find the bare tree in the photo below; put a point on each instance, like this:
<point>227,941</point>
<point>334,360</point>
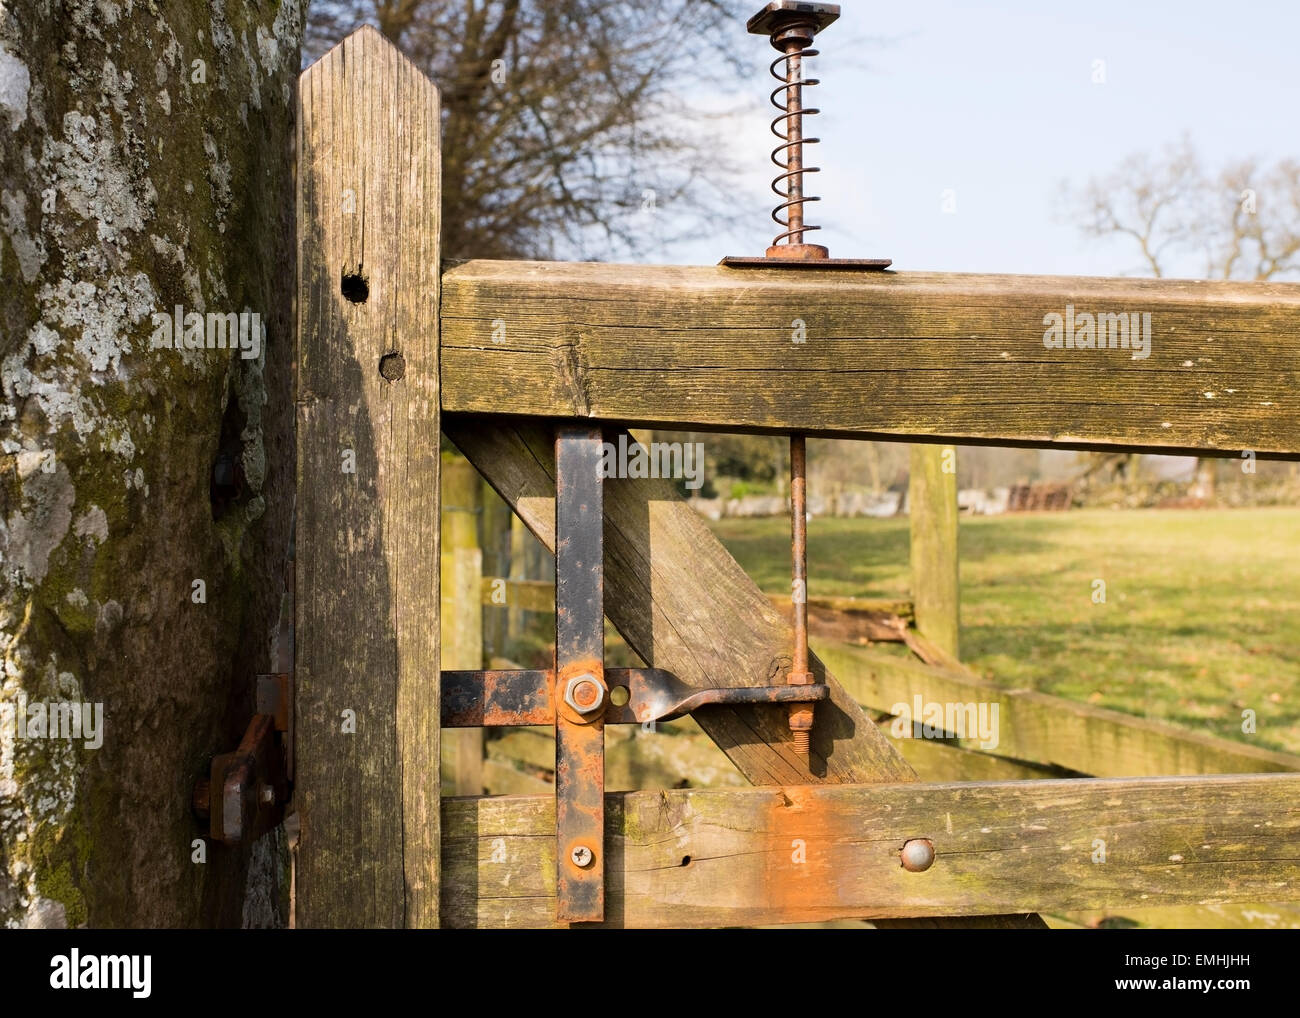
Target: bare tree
<point>1242,222</point>
<point>575,127</point>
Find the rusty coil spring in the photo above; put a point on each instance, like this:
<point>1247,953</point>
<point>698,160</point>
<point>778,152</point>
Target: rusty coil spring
<point>792,142</point>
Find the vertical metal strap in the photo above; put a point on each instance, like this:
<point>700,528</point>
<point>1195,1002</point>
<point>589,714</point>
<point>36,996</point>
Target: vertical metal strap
<point>581,694</point>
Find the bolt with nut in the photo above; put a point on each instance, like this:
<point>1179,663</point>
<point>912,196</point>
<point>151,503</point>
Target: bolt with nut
<point>584,693</point>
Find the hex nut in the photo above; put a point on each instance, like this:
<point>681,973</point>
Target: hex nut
<point>576,683</point>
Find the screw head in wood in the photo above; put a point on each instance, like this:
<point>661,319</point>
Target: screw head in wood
<point>581,856</point>
<point>917,855</point>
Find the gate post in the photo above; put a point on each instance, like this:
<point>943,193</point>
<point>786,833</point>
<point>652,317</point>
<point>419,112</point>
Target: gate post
<point>368,422</point>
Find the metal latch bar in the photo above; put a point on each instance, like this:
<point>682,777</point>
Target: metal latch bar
<point>580,694</point>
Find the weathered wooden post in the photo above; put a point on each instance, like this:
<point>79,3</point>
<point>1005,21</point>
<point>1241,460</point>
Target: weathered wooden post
<point>932,509</point>
<point>462,608</point>
<point>368,426</point>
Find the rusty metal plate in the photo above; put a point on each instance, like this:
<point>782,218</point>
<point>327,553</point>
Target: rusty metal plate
<point>521,697</point>
<point>861,264</point>
<point>248,788</point>
<point>508,698</point>
<point>580,689</point>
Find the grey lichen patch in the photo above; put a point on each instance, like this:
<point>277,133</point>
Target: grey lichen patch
<point>31,532</point>
<point>101,317</point>
<point>92,524</point>
<point>15,84</point>
<point>44,914</point>
<point>218,169</point>
<point>254,74</point>
<point>92,174</point>
<point>29,250</point>
<point>38,794</point>
<point>250,391</point>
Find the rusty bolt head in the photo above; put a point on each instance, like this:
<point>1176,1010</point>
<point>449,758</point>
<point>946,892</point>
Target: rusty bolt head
<point>917,855</point>
<point>581,856</point>
<point>584,693</point>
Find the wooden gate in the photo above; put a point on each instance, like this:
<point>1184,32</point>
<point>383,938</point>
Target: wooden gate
<point>394,350</point>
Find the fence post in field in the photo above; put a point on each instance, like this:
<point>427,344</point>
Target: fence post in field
<point>366,674</point>
<point>462,609</point>
<point>932,509</point>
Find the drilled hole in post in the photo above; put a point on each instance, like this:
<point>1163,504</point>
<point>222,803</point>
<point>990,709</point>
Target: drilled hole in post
<point>686,860</point>
<point>392,366</point>
<point>355,287</point>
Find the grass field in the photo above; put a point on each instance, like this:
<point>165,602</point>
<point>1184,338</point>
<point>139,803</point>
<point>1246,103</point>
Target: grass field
<point>1201,618</point>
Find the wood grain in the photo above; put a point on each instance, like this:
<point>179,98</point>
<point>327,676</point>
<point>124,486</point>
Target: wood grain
<point>367,545</point>
<point>903,355</point>
<point>743,857</point>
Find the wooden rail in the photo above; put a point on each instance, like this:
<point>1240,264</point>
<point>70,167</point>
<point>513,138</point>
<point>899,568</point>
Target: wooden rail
<point>1050,730</point>
<point>539,596</point>
<point>679,755</point>
<point>899,355</point>
<point>807,853</point>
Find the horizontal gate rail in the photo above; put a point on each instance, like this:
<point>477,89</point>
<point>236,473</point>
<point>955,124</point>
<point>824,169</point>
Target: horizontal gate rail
<point>752,856</point>
<point>900,356</point>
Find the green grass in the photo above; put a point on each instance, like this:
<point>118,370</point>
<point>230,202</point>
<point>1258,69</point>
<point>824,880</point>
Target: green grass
<point>1201,619</point>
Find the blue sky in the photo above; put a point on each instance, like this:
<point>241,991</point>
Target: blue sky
<point>996,101</point>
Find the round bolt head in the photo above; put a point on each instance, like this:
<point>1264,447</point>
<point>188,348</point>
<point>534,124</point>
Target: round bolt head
<point>581,855</point>
<point>584,693</point>
<point>917,855</point>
